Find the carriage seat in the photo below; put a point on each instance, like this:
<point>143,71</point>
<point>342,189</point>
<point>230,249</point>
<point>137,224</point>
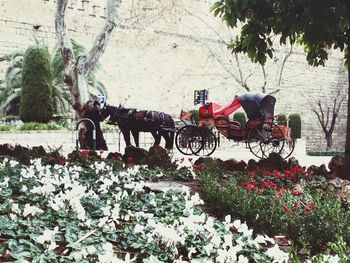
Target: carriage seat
<point>223,121</point>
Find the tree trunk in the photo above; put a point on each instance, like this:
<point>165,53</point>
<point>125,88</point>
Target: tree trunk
<point>346,171</point>
<point>329,140</point>
<point>76,70</point>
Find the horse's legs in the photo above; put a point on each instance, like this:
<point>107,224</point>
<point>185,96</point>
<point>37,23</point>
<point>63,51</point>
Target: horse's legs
<point>166,137</point>
<point>157,137</point>
<point>135,134</point>
<point>169,139</point>
<point>126,135</point>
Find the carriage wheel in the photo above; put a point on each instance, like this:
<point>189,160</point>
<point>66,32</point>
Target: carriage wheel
<point>207,145</point>
<point>288,148</point>
<point>264,139</point>
<point>188,139</point>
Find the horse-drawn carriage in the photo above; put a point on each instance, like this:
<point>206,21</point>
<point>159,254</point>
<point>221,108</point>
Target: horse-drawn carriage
<point>261,134</point>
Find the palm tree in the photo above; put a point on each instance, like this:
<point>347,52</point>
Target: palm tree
<point>11,92</point>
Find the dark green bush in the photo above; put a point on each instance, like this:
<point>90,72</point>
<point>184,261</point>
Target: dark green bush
<point>240,117</point>
<point>319,219</point>
<point>36,102</point>
<point>195,115</point>
<point>325,153</point>
<point>282,119</point>
<point>294,123</point>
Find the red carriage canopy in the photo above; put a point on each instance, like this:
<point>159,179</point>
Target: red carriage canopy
<point>216,110</point>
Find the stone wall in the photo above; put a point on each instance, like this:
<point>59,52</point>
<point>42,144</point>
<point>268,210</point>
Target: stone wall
<point>161,51</point>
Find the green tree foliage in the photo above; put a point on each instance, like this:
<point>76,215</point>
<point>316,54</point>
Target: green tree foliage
<point>294,123</point>
<point>36,104</point>
<point>61,98</point>
<point>11,91</point>
<point>316,25</point>
<point>240,117</point>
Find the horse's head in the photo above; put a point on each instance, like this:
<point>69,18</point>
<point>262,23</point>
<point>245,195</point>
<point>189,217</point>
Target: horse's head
<point>113,113</point>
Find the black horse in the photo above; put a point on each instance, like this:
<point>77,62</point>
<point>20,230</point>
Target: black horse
<point>134,121</point>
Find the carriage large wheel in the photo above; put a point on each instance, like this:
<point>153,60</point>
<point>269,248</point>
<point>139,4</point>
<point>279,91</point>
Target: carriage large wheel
<point>207,145</point>
<point>188,140</point>
<point>265,138</point>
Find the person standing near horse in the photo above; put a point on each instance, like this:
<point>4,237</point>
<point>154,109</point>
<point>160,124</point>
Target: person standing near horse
<point>94,114</point>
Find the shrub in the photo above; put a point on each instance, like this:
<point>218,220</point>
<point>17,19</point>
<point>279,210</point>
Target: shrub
<point>240,117</point>
<point>282,119</point>
<point>195,115</point>
<point>36,103</point>
<point>295,124</point>
<point>312,217</point>
<point>5,127</point>
<point>30,126</point>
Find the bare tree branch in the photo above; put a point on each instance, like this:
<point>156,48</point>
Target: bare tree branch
<point>263,87</point>
<point>285,58</point>
<point>327,118</point>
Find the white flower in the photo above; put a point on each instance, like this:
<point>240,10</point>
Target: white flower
<point>47,235</point>
<point>24,188</point>
<point>227,241</point>
<point>115,212</point>
<point>5,183</point>
<point>216,240</point>
<point>277,255</point>
<point>332,259</point>
<point>228,219</point>
<point>192,251</point>
<point>31,210</point>
<point>52,246</point>
<point>153,203</point>
<point>91,250</point>
<point>44,190</point>
<point>208,248</point>
<point>15,208</point>
<point>243,228</point>
<point>106,210</point>
<point>262,240</point>
<point>169,235</point>
<point>138,229</point>
<point>103,221</point>
<point>242,259</point>
<point>222,256</point>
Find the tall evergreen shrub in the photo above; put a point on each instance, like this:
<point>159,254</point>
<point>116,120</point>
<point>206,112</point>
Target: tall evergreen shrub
<point>36,97</point>
<point>240,117</point>
<point>294,123</point>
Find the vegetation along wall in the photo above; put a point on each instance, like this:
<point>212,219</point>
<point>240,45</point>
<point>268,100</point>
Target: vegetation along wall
<point>161,51</point>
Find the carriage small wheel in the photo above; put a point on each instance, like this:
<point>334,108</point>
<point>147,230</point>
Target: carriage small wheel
<point>207,145</point>
<point>188,139</point>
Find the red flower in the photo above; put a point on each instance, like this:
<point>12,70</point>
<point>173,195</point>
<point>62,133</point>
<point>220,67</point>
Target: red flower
<point>198,166</point>
<point>285,207</point>
<point>61,160</point>
<point>309,207</point>
<point>276,174</point>
<point>266,172</point>
<point>296,191</point>
<point>296,203</point>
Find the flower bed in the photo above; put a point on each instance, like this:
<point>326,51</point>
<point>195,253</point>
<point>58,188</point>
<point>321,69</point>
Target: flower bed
<point>86,209</point>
